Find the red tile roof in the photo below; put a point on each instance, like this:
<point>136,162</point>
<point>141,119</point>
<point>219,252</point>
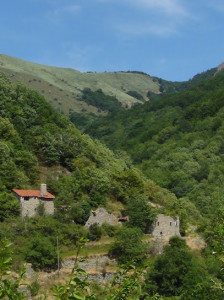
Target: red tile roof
<point>125,218</point>
<point>32,193</point>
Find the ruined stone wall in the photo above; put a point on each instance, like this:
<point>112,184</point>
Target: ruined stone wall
<point>48,206</point>
<point>91,263</point>
<point>101,216</point>
<point>165,227</point>
<point>29,207</point>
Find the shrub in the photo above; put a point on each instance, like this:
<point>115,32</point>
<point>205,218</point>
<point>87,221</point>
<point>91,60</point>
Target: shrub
<point>42,253</point>
<point>34,288</point>
<point>128,246</point>
<point>95,232</point>
<point>109,230</point>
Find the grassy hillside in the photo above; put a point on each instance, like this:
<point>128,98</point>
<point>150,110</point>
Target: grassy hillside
<point>63,87</point>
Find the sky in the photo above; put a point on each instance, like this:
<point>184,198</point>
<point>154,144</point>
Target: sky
<point>170,39</point>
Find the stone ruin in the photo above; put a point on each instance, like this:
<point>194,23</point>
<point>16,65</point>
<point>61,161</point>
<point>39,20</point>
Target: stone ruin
<point>101,216</point>
<point>165,227</point>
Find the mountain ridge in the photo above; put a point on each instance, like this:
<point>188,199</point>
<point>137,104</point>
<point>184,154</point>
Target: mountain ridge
<point>72,83</point>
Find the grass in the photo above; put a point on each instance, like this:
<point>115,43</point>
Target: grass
<point>96,248</point>
<point>115,207</point>
<point>62,87</point>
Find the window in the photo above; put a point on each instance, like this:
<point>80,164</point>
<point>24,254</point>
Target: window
<point>26,198</point>
<point>170,223</point>
<point>157,223</point>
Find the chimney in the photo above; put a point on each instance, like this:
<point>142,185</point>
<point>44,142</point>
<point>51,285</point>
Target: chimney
<point>43,189</point>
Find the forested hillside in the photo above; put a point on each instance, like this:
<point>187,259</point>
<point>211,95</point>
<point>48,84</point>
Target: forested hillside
<point>176,140</point>
<point>39,143</point>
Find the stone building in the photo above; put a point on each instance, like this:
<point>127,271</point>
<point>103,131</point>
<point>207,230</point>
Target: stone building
<point>165,227</point>
<point>101,216</point>
<point>30,200</point>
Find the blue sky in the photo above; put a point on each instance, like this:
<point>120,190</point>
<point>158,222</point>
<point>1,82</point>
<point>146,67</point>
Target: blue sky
<point>171,39</point>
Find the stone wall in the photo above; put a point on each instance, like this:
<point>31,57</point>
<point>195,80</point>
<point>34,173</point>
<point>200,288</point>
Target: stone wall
<point>95,267</point>
<point>92,263</point>
<point>29,207</point>
<point>165,227</point>
<point>101,216</point>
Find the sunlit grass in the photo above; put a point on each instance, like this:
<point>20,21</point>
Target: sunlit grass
<point>66,85</point>
<point>96,248</point>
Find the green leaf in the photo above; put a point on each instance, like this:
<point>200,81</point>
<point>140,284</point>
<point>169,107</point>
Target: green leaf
<point>78,296</point>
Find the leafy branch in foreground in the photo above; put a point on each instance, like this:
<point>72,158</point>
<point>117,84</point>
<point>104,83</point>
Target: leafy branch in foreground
<point>125,283</point>
<point>78,285</point>
<point>9,287</point>
<point>219,251</point>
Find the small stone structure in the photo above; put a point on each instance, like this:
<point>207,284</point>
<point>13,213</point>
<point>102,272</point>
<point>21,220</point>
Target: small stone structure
<point>101,216</point>
<point>165,227</point>
<point>30,200</point>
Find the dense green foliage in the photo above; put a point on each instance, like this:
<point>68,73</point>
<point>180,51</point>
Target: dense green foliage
<point>35,135</point>
<point>41,253</point>
<point>135,95</point>
<point>177,141</point>
<point>100,100</point>
<point>128,246</point>
<point>140,214</point>
<point>171,87</point>
<point>179,272</point>
<point>94,233</point>
<point>35,240</point>
<point>37,141</point>
<point>9,206</point>
<point>9,287</point>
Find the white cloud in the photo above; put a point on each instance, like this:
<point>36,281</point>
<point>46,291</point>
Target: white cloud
<point>149,17</point>
<point>69,9</point>
<point>169,7</point>
<point>146,29</point>
<point>63,12</point>
<point>217,5</point>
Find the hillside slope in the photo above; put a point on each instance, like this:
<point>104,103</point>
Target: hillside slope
<point>38,144</point>
<point>177,141</point>
<point>35,140</point>
<point>63,87</point>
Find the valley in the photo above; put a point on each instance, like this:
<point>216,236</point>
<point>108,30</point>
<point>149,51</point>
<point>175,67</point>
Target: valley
<point>137,147</point>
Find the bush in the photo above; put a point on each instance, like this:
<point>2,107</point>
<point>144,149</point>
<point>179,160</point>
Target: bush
<point>42,254</point>
<point>94,233</point>
<point>109,230</point>
<point>141,214</point>
<point>80,212</point>
<point>178,272</point>
<point>128,246</point>
<point>9,206</point>
<point>34,288</point>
